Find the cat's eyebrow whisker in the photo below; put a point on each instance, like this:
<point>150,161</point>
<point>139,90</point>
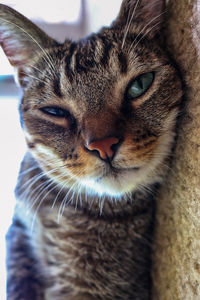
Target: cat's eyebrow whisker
<point>41,72</point>
<point>130,49</point>
<point>147,32</point>
<point>129,21</point>
<point>34,77</point>
<point>47,57</point>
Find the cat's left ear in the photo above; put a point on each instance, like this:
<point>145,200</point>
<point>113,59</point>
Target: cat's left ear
<point>147,15</point>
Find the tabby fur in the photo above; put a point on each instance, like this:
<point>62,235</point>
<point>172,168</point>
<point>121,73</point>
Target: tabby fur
<point>83,224</point>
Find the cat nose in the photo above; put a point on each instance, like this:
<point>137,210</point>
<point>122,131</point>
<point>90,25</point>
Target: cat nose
<point>104,147</point>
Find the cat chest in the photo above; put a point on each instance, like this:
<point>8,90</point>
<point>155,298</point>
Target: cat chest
<point>89,254</point>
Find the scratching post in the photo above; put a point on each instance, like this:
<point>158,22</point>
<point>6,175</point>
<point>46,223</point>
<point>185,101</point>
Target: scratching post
<point>176,258</point>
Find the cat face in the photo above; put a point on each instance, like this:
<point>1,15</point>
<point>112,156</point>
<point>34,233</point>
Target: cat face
<point>98,114</point>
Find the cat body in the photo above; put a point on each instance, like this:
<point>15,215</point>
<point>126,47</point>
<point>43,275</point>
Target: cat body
<point>99,119</point>
<point>86,254</point>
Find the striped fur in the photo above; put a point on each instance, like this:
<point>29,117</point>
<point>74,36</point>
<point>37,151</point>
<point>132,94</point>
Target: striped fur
<point>89,227</point>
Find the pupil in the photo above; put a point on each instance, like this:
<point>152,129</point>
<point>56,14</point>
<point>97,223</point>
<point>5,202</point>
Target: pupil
<point>140,83</point>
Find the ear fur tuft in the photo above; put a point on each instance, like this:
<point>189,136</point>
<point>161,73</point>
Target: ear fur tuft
<point>21,40</point>
<point>146,14</point>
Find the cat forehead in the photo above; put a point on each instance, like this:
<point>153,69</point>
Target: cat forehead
<point>96,67</point>
<point>100,49</point>
<point>108,55</point>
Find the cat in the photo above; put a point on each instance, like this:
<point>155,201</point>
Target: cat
<point>99,117</point>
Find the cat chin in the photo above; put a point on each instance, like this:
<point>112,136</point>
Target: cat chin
<point>114,186</point>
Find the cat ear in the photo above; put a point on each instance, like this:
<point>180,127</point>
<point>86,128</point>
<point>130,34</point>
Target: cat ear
<point>146,14</point>
<point>21,40</point>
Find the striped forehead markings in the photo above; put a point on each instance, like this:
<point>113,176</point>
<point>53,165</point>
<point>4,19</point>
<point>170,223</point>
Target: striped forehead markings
<point>56,87</point>
<point>68,61</point>
<point>81,60</point>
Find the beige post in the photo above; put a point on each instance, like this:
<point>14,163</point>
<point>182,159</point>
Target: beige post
<point>177,249</point>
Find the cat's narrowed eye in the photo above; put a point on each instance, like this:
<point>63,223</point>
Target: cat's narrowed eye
<point>140,85</point>
<point>55,111</point>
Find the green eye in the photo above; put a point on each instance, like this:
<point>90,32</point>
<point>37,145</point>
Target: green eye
<point>140,85</point>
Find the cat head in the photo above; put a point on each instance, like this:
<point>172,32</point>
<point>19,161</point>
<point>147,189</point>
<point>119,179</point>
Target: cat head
<point>98,114</point>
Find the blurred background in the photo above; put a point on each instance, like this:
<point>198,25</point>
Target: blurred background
<point>60,19</point>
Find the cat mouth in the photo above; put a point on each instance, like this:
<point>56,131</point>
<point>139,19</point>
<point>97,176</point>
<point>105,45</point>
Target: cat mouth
<point>114,182</point>
<point>116,172</point>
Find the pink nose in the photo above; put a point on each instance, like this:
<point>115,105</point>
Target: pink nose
<point>104,147</point>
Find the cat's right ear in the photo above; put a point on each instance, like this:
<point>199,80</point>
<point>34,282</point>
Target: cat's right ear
<point>145,15</point>
<point>21,40</point>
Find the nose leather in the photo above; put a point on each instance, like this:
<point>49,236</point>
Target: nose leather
<point>104,147</point>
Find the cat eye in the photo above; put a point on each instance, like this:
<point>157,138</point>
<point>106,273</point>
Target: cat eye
<point>140,85</point>
<point>55,111</point>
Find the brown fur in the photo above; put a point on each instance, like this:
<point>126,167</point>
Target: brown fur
<point>89,229</point>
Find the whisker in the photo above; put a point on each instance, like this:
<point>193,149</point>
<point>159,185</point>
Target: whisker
<point>77,197</point>
<point>41,201</point>
<point>80,197</point>
<point>44,186</point>
<point>35,178</point>
<point>61,189</point>
<point>101,204</point>
<point>33,191</point>
<point>142,37</point>
<point>47,57</point>
<point>57,196</point>
<point>32,180</point>
<point>169,169</point>
<point>35,78</point>
<point>64,201</point>
<point>22,173</point>
<point>86,194</point>
<point>145,188</point>
<point>129,24</point>
<point>147,32</point>
<point>41,72</point>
